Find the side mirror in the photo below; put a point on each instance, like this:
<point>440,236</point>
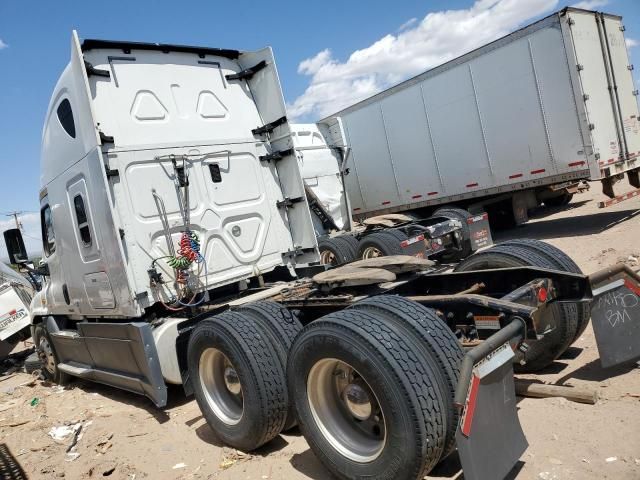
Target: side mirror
<point>15,246</point>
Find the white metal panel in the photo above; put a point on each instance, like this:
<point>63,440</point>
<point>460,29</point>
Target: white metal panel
<point>515,136</point>
<point>370,155</point>
<point>411,147</point>
<point>149,101</point>
<point>549,59</point>
<point>594,79</point>
<point>625,85</point>
<point>457,131</point>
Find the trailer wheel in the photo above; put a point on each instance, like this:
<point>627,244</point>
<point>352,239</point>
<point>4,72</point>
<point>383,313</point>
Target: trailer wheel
<point>559,201</point>
<point>367,401</point>
<point>561,261</point>
<point>238,380</point>
<point>454,213</point>
<point>542,352</point>
<point>427,331</point>
<point>48,356</point>
<point>281,328</point>
<point>336,251</point>
<point>381,244</point>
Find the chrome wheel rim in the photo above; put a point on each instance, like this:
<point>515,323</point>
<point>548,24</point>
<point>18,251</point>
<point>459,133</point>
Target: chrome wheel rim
<point>327,257</point>
<point>221,386</point>
<point>45,353</point>
<point>346,410</point>
<point>372,252</point>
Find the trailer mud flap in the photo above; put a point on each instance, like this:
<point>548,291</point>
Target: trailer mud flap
<point>615,313</point>
<point>489,437</point>
<point>479,231</point>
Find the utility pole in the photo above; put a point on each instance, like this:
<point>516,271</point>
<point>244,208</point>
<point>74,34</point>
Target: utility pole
<point>15,217</point>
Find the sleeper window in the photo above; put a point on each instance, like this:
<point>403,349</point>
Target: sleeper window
<point>65,115</point>
<point>83,222</point>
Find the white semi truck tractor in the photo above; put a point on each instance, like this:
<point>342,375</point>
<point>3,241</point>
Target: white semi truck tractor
<point>179,249</point>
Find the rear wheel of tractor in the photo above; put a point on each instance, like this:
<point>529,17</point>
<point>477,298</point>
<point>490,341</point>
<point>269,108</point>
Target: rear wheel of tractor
<point>561,261</point>
<point>238,380</point>
<point>336,251</point>
<point>542,352</point>
<point>381,244</point>
<point>454,213</point>
<point>47,355</point>
<point>281,327</point>
<point>367,400</point>
<point>427,331</point>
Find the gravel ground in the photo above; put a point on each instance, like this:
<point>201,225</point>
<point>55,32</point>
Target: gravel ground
<point>121,436</point>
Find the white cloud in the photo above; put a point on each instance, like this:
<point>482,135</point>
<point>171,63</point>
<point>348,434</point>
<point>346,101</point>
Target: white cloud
<point>409,23</point>
<point>2,44</point>
<point>591,4</point>
<point>30,233</point>
<point>631,42</point>
<point>438,37</point>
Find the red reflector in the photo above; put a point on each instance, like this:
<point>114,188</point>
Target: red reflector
<point>577,164</point>
<point>416,196</point>
<point>472,185</point>
<point>357,209</point>
<point>470,406</point>
<point>386,202</point>
<point>515,175</point>
<point>533,172</point>
<point>432,193</point>
<point>542,295</point>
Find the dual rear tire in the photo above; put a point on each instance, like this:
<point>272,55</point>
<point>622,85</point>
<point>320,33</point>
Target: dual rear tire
<point>372,385</point>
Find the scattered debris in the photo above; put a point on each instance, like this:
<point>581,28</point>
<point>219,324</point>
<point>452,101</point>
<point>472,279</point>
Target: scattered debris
<point>611,459</point>
<point>34,401</point>
<point>63,431</point>
<point>179,465</point>
<point>585,460</point>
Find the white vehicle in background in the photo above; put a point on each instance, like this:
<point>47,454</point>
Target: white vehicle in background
<point>15,320</point>
<point>515,123</point>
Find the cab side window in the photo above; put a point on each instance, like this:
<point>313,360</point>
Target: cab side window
<point>48,235</point>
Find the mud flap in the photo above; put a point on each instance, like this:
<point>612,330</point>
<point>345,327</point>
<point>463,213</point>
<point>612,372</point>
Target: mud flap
<point>489,438</point>
<point>479,231</point>
<point>615,314</point>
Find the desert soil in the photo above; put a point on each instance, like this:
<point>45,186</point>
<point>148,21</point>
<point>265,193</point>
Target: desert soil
<point>124,437</point>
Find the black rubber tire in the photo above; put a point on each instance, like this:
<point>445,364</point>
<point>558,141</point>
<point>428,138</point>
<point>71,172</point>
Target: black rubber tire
<point>541,353</point>
<point>387,242</point>
<point>265,397</point>
<point>403,383</point>
<point>563,262</point>
<point>57,376</point>
<point>559,201</point>
<point>32,363</point>
<point>352,242</point>
<point>454,213</point>
<point>281,327</point>
<point>341,249</point>
<point>428,331</point>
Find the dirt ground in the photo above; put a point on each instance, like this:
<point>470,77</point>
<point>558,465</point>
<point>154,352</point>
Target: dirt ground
<point>122,436</point>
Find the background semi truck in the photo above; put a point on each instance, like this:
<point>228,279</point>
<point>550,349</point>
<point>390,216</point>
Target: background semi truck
<point>501,129</point>
<point>175,252</point>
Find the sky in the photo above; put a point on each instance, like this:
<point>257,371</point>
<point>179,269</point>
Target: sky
<point>329,54</point>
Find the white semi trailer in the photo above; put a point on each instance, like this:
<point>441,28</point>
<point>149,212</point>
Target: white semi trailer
<point>501,129</point>
<point>179,248</point>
